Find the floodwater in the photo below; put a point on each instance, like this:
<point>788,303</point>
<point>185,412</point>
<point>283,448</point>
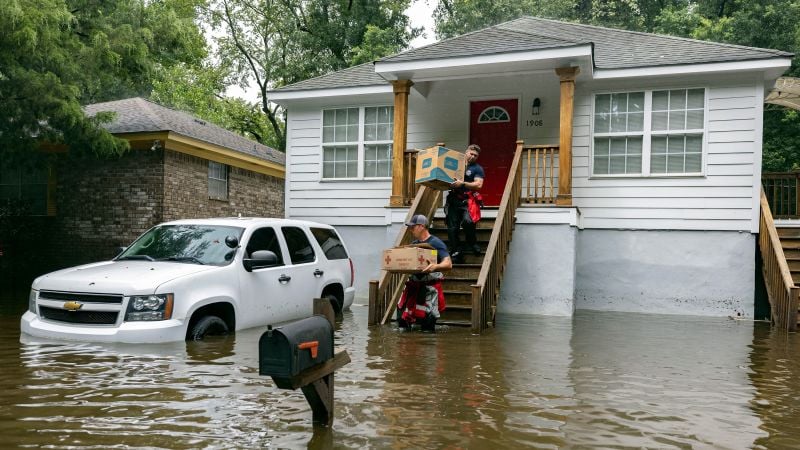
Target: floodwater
<point>608,380</point>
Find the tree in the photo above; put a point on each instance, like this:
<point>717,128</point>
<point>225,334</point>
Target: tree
<point>59,54</point>
<point>279,42</point>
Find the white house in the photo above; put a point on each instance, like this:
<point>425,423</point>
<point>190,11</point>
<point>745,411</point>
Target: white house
<point>657,212</point>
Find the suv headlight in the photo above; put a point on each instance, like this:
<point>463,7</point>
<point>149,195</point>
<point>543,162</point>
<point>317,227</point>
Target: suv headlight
<point>149,307</point>
<point>32,301</point>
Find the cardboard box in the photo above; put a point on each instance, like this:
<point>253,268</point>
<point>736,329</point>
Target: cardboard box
<point>437,167</point>
<point>407,259</point>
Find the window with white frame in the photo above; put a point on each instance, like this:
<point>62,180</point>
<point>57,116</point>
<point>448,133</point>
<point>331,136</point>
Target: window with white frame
<point>357,142</point>
<point>645,133</point>
<point>217,181</point>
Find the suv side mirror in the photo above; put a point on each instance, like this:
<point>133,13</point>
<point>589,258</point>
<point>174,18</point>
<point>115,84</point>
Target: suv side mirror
<point>120,250</point>
<point>260,259</point>
<point>232,241</point>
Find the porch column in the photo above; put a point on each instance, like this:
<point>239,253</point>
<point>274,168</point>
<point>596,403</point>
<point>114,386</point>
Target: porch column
<point>567,76</point>
<point>400,138</point>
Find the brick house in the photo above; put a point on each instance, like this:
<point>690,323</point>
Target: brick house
<point>179,166</point>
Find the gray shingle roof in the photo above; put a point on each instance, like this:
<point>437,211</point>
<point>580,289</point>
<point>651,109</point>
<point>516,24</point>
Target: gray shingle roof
<point>360,75</point>
<point>137,115</point>
<point>613,49</point>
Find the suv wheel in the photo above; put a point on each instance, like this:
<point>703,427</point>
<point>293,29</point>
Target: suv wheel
<point>208,326</point>
<point>336,302</point>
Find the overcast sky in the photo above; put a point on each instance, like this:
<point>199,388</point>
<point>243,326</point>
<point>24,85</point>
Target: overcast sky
<point>421,14</point>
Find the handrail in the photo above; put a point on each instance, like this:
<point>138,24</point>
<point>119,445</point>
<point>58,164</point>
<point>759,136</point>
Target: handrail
<point>487,288</point>
<point>539,175</point>
<point>784,295</point>
<point>384,292</point>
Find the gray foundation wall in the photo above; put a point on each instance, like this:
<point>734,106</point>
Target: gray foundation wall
<point>366,244</point>
<point>540,271</point>
<point>666,272</point>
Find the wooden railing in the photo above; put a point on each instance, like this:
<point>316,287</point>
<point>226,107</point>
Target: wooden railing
<point>409,175</point>
<point>384,292</point>
<point>487,288</point>
<point>782,189</point>
<point>784,296</point>
<point>539,172</point>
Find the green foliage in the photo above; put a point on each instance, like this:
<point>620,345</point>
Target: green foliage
<point>279,42</point>
<point>59,54</point>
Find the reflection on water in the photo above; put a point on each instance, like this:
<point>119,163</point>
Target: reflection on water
<point>607,380</point>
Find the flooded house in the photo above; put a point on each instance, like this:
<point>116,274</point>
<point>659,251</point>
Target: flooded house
<point>623,169</point>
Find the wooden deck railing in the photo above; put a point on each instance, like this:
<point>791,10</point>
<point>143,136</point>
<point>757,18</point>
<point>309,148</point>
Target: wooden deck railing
<point>384,292</point>
<point>487,288</point>
<point>539,174</point>
<point>409,175</point>
<point>782,189</point>
<point>784,296</point>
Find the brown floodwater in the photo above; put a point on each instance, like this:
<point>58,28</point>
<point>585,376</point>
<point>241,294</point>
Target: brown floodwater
<point>609,380</point>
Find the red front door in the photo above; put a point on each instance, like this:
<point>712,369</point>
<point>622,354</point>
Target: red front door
<point>493,126</point>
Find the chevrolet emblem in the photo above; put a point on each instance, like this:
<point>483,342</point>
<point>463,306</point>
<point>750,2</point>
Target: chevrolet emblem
<point>73,306</point>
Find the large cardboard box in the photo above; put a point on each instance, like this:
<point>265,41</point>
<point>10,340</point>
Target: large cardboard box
<point>407,259</point>
<point>438,166</point>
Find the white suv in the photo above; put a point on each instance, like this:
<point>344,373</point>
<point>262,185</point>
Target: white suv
<point>191,278</point>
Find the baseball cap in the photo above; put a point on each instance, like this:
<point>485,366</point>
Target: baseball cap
<point>417,219</point>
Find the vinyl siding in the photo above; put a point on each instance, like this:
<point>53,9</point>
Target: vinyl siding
<point>722,199</point>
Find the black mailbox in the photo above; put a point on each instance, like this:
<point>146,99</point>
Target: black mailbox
<point>285,351</point>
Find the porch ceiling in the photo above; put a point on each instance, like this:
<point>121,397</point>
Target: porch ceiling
<point>498,64</point>
<point>786,93</point>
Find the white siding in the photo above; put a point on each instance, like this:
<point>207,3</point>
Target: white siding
<point>720,200</point>
<point>333,202</point>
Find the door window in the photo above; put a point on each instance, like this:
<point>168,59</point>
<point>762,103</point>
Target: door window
<point>300,250</point>
<point>330,243</point>
<point>264,239</point>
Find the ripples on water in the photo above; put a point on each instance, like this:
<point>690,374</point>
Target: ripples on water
<point>607,380</point>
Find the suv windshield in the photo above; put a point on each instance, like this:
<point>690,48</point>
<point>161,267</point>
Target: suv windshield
<point>191,244</point>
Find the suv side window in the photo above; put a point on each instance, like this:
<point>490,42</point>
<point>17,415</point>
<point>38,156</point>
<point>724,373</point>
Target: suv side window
<point>264,239</point>
<point>330,243</point>
<point>300,250</point>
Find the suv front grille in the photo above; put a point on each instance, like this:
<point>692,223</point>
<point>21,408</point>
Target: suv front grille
<point>89,317</point>
<point>80,297</point>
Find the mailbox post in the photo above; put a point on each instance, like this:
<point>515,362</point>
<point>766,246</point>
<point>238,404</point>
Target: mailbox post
<point>300,355</point>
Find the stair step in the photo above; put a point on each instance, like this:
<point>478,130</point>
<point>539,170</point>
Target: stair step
<point>456,313</point>
<point>463,284</point>
<point>458,298</point>
<point>485,222</point>
<point>793,232</point>
<point>481,234</point>
<point>791,253</point>
<point>464,271</point>
<point>794,264</point>
<point>790,243</point>
<point>455,323</point>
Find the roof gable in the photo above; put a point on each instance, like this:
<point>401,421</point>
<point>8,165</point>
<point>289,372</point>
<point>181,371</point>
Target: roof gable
<point>137,115</point>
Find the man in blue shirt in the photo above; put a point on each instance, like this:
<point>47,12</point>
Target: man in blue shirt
<point>456,207</point>
<point>423,298</point>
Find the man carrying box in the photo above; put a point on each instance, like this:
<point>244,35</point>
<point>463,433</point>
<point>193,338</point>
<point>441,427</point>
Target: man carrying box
<point>456,207</point>
<point>423,299</point>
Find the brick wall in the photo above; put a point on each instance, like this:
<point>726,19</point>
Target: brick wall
<point>186,191</point>
<point>105,203</point>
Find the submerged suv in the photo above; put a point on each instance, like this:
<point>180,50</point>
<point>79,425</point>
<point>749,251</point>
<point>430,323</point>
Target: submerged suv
<point>190,278</point>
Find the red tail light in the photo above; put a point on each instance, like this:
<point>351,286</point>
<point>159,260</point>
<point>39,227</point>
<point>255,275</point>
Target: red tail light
<point>352,272</point>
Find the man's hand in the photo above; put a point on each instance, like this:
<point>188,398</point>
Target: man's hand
<point>429,269</point>
<point>457,183</point>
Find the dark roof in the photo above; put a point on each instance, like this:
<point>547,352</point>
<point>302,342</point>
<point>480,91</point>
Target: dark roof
<point>360,75</point>
<point>137,115</point>
<point>613,49</point>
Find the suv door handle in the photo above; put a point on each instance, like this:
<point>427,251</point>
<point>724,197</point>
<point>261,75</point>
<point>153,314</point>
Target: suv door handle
<point>284,278</point>
<point>318,273</point>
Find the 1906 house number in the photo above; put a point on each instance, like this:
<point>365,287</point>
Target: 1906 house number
<point>534,123</point>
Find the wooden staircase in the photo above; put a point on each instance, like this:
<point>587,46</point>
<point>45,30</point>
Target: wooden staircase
<point>471,289</point>
<point>790,242</point>
<point>458,282</point>
<point>780,255</point>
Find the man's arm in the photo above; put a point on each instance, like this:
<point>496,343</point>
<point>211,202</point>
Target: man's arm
<point>446,264</point>
<point>476,185</point>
